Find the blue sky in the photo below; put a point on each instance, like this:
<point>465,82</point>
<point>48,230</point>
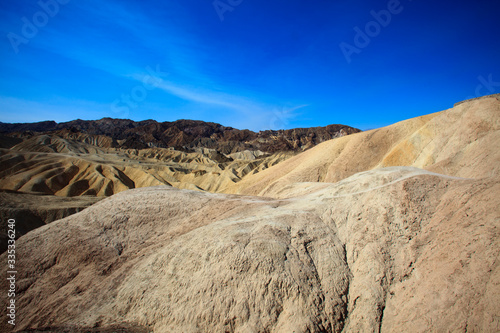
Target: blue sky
<point>245,63</point>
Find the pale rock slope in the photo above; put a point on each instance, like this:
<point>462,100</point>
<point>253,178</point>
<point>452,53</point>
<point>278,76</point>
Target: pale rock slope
<point>32,211</point>
<point>78,173</point>
<point>347,244</point>
<point>463,141</point>
<point>396,249</point>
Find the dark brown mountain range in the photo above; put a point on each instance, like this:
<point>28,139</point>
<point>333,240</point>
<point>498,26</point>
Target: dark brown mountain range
<point>180,134</point>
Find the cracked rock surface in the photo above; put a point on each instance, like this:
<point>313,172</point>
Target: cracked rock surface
<point>418,252</point>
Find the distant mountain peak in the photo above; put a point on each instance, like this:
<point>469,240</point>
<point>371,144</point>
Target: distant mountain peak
<point>185,133</point>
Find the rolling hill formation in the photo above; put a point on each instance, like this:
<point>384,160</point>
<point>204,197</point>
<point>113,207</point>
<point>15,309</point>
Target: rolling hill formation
<point>395,229</point>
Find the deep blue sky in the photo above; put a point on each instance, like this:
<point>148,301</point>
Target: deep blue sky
<point>267,64</point>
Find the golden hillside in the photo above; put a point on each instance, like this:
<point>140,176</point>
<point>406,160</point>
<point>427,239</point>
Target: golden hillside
<point>459,142</point>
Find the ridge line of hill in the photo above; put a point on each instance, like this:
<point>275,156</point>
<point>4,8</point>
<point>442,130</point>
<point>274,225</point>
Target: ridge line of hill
<point>180,134</point>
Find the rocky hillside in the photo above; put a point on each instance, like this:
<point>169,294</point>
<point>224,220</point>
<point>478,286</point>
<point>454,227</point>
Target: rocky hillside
<point>34,210</point>
<point>70,174</point>
<point>100,158</point>
<point>460,142</point>
<point>394,249</point>
<point>180,134</point>
<point>392,230</point>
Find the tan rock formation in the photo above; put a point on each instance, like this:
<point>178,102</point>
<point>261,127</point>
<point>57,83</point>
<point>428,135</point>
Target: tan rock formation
<point>350,242</point>
<point>399,249</point>
<point>33,211</point>
<point>67,168</point>
<point>456,142</point>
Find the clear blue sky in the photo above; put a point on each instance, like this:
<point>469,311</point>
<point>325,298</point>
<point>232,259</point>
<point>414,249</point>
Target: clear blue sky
<point>245,63</point>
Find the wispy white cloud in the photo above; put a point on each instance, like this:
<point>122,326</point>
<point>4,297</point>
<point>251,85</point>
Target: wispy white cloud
<point>249,113</point>
<point>214,98</point>
<point>179,53</point>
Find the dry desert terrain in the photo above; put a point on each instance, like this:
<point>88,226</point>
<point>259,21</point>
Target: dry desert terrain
<point>390,230</point>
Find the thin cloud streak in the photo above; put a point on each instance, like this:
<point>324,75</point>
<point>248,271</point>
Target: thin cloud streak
<point>236,102</point>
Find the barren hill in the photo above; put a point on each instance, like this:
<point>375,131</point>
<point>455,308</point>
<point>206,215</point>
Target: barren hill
<point>33,211</point>
<point>393,230</point>
<point>76,169</point>
<point>107,156</point>
<point>398,249</point>
<point>77,174</point>
<point>462,141</point>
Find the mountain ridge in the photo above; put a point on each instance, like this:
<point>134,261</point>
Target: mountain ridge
<point>182,134</point>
